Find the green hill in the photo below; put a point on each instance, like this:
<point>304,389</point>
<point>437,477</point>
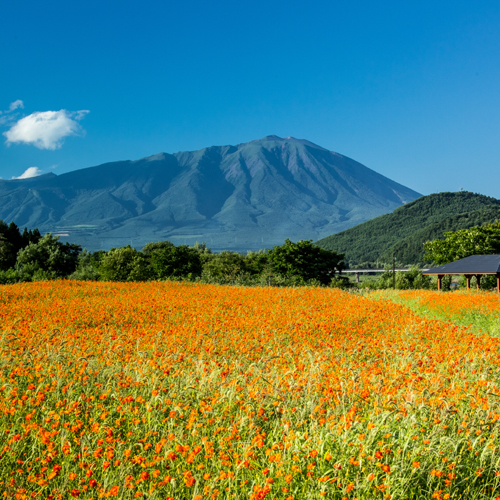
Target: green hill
<point>404,231</point>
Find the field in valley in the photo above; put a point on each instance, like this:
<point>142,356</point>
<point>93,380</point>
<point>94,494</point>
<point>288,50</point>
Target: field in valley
<point>189,391</point>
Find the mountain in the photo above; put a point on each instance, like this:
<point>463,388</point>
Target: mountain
<point>404,231</point>
<point>244,197</point>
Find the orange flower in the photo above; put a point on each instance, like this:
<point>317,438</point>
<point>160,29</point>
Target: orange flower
<point>189,481</point>
<point>114,490</point>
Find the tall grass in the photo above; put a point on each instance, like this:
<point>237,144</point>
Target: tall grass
<point>477,310</point>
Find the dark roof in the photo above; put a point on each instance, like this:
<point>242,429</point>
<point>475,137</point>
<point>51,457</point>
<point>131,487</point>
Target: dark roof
<point>475,264</point>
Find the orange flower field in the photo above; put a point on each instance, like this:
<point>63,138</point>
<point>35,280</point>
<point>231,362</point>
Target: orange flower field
<point>189,391</point>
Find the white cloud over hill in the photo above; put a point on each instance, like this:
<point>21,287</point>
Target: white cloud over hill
<point>30,172</point>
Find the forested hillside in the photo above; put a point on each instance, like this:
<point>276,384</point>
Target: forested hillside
<point>404,231</point>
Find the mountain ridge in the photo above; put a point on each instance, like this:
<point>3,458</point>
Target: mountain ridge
<point>242,197</point>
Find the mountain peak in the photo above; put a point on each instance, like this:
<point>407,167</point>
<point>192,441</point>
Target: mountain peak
<point>288,139</point>
<point>280,139</point>
<point>274,138</point>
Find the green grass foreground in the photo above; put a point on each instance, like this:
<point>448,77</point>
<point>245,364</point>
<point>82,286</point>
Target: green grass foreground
<point>477,310</point>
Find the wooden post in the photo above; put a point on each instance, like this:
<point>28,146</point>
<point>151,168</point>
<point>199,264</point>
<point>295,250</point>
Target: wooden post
<point>498,283</point>
<point>468,281</point>
<point>393,272</point>
<point>478,281</point>
<point>440,277</point>
<point>357,277</point>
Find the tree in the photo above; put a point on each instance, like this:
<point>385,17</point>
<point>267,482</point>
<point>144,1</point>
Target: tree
<point>7,253</point>
<point>31,236</point>
<point>175,262</point>
<point>124,264</point>
<point>48,258</point>
<point>87,268</point>
<point>306,261</point>
<point>479,240</point>
<point>204,252</point>
<point>413,279</point>
<point>149,248</point>
<point>15,237</point>
<point>259,262</point>
<point>225,267</point>
<point>11,241</point>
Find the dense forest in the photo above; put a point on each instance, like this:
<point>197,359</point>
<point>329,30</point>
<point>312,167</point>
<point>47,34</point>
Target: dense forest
<point>404,231</point>
<point>28,256</point>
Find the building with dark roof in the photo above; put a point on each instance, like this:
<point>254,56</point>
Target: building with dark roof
<point>475,265</point>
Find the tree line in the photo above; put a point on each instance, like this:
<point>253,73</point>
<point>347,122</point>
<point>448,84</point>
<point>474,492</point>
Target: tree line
<point>29,256</point>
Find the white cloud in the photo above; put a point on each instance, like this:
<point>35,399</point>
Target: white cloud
<point>46,129</point>
<point>9,115</point>
<point>16,104</point>
<point>30,172</point>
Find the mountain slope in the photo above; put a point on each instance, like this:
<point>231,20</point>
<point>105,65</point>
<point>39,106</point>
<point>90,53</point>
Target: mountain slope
<point>404,231</point>
<point>242,197</point>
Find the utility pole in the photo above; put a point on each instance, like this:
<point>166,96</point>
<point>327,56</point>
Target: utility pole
<point>393,272</point>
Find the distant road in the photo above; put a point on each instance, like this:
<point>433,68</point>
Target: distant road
<point>374,270</point>
<point>357,272</point>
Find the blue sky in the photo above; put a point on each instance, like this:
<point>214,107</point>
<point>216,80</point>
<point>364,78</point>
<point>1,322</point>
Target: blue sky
<point>411,90</point>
